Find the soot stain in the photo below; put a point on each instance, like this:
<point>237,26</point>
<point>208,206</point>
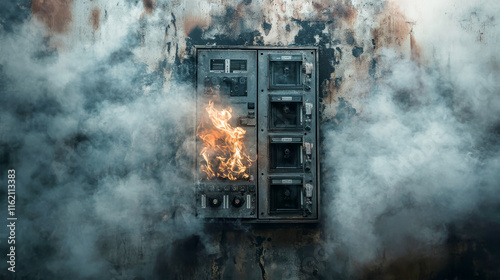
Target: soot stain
<point>327,64</point>
<point>308,30</point>
<point>373,67</point>
<point>267,27</point>
<point>180,259</point>
<point>357,51</point>
<point>148,5</point>
<point>327,55</point>
<point>349,38</point>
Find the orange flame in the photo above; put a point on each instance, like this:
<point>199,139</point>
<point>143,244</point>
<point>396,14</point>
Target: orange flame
<point>224,154</point>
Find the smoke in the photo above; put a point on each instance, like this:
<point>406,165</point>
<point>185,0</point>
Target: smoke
<point>97,121</point>
<point>101,147</point>
<point>422,149</point>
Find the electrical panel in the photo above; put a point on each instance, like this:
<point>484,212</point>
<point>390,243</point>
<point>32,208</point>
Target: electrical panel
<point>257,134</point>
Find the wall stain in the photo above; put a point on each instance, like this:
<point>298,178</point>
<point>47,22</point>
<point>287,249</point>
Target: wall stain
<point>95,18</point>
<point>415,49</point>
<point>357,51</point>
<point>148,5</point>
<point>269,250</point>
<point>393,29</point>
<point>55,14</point>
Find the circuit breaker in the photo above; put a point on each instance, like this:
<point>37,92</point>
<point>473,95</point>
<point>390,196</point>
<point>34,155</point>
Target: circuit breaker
<point>257,134</point>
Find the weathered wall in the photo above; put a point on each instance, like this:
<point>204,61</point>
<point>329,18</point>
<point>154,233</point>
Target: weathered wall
<point>97,102</point>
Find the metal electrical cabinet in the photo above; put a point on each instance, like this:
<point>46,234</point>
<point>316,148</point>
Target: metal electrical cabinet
<point>257,134</point>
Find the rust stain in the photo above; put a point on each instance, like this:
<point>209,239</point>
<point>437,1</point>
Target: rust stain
<point>352,85</point>
<point>95,17</point>
<point>241,258</point>
<point>341,9</point>
<point>148,5</point>
<point>283,7</point>
<point>415,49</point>
<point>241,10</point>
<point>323,11</point>
<point>191,22</point>
<point>345,10</point>
<point>318,7</point>
<point>279,7</point>
<point>55,14</point>
<point>393,28</point>
<point>417,265</point>
<point>329,89</point>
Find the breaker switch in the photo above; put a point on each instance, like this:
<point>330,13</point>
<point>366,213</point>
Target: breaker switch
<point>309,190</point>
<point>309,108</point>
<point>308,147</point>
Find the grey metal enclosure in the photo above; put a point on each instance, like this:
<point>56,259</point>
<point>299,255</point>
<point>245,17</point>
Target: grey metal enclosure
<point>257,134</point>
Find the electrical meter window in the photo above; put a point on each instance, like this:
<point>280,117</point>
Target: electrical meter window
<point>285,74</point>
<point>285,198</point>
<point>286,115</point>
<point>286,156</point>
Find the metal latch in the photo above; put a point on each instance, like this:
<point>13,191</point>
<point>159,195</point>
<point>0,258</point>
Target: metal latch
<point>309,190</point>
<point>308,147</point>
<point>309,108</point>
<point>308,68</point>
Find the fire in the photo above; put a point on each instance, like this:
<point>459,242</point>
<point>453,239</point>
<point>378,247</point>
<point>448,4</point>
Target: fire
<point>224,153</point>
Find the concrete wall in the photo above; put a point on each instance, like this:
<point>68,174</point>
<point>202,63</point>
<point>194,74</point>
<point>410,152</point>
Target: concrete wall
<point>146,49</point>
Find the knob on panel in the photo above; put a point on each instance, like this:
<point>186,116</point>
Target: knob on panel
<point>238,201</point>
<point>214,201</point>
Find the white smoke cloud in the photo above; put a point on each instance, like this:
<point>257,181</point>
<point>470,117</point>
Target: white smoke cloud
<point>418,155</point>
<point>100,145</point>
